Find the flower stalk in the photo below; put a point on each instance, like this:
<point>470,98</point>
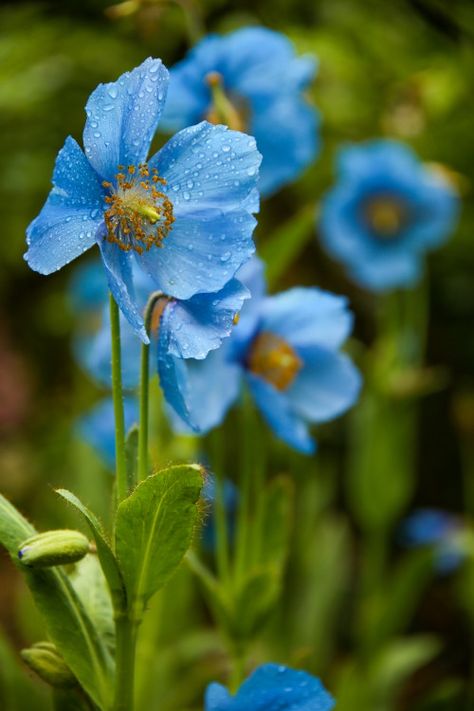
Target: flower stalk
<point>117,394</point>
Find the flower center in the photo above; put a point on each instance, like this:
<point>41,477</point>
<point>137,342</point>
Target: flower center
<point>386,216</point>
<point>273,359</point>
<point>139,213</point>
<point>223,109</point>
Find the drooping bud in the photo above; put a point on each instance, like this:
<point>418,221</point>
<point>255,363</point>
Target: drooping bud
<point>44,659</point>
<point>54,548</point>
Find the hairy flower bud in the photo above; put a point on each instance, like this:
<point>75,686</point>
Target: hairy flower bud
<point>44,659</point>
<point>53,548</point>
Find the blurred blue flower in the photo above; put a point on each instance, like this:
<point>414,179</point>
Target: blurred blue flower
<point>286,348</point>
<point>230,496</point>
<point>386,210</point>
<point>444,531</point>
<point>272,687</point>
<point>184,217</point>
<point>182,329</point>
<point>258,87</point>
<point>97,427</point>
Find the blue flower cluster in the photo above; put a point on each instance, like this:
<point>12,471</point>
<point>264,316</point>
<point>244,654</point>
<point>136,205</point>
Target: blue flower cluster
<point>386,210</point>
<point>287,349</point>
<point>184,218</point>
<point>272,687</point>
<point>251,80</point>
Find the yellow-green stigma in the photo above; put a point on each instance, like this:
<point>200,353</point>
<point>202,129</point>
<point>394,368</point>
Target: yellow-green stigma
<point>386,216</point>
<point>222,109</point>
<point>274,360</point>
<point>139,213</point>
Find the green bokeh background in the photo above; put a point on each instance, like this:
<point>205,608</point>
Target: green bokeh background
<point>402,69</point>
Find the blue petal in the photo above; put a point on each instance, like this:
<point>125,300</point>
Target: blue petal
<point>272,687</point>
<point>122,117</point>
<point>217,698</point>
<point>211,387</point>
<point>97,428</point>
<point>69,221</point>
<point>359,161</point>
<point>118,269</point>
<point>252,275</point>
<point>286,131</point>
<point>427,526</point>
<point>88,287</point>
<point>308,316</point>
<point>209,167</point>
<point>201,253</point>
<point>327,385</point>
<point>199,325</point>
<point>277,411</point>
<point>437,208</point>
<point>93,352</point>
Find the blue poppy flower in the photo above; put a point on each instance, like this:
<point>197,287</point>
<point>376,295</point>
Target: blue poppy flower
<point>386,210</point>
<point>97,427</point>
<point>252,80</point>
<point>286,349</point>
<point>181,329</point>
<point>184,217</point>
<point>444,531</point>
<point>272,687</point>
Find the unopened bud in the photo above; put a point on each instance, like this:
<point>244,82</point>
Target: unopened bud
<point>44,659</point>
<point>54,548</point>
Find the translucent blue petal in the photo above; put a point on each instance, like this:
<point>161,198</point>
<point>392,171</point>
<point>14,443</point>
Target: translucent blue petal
<point>200,254</point>
<point>172,374</point>
<point>94,351</point>
<point>209,167</point>
<point>69,221</point>
<point>327,385</point>
<point>97,428</point>
<point>307,316</point>
<point>122,118</point>
<point>428,526</point>
<point>273,687</point>
<point>252,275</point>
<point>277,410</point>
<point>212,386</point>
<point>217,698</point>
<point>88,287</point>
<point>118,269</point>
<point>286,131</point>
<point>199,325</point>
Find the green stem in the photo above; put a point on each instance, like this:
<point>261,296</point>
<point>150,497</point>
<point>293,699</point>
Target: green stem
<point>245,492</point>
<point>222,534</point>
<point>117,393</point>
<point>125,635</point>
<point>142,463</point>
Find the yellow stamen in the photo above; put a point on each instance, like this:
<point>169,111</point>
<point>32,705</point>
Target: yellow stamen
<point>386,216</point>
<point>274,360</point>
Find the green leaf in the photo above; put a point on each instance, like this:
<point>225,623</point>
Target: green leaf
<point>154,528</point>
<point>286,244</point>
<point>107,559</point>
<point>254,601</point>
<point>68,625</point>
<point>277,522</point>
<point>90,584</point>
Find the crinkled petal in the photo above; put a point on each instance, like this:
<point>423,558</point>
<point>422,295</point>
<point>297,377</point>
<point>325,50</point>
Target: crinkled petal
<point>200,254</point>
<point>327,385</point>
<point>209,167</point>
<point>118,269</point>
<point>212,387</point>
<point>287,135</point>
<point>69,221</point>
<point>306,316</point>
<point>122,117</point>
<point>97,428</point>
<point>199,325</point>
<point>277,411</point>
<point>273,687</point>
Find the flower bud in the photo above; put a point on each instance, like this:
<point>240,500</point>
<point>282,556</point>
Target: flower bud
<point>44,659</point>
<point>53,548</point>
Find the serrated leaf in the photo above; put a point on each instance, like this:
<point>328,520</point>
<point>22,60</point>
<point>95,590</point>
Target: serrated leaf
<point>107,559</point>
<point>154,529</point>
<point>67,622</point>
